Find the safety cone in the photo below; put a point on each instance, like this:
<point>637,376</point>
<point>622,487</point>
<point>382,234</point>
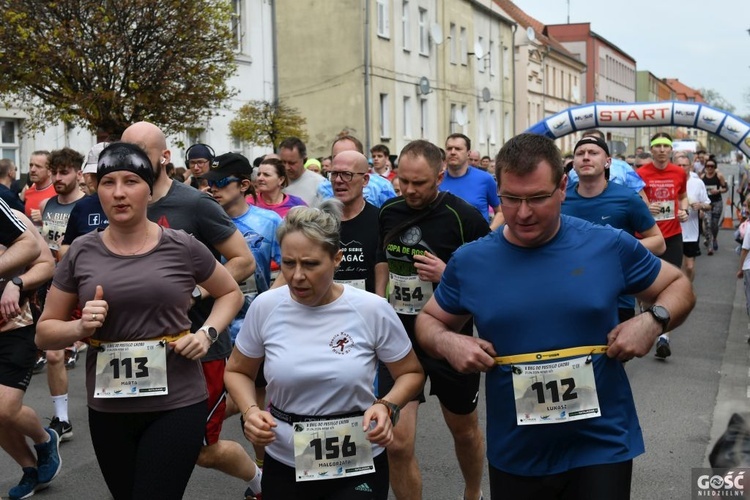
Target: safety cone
<point>728,223</point>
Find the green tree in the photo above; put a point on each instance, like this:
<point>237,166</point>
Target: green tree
<point>103,64</point>
<point>716,100</point>
<point>266,123</point>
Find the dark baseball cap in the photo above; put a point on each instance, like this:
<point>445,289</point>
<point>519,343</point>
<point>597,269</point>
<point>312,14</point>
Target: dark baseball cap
<point>228,164</point>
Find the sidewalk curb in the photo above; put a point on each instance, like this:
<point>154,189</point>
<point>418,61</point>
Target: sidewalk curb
<point>734,390</point>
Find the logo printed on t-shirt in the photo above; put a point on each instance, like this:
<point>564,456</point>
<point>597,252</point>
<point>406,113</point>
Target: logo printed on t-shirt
<point>94,219</point>
<point>341,343</point>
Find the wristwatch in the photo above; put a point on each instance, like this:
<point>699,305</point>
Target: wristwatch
<point>210,332</point>
<point>196,294</point>
<point>393,409</point>
<point>661,315</point>
<point>18,282</point>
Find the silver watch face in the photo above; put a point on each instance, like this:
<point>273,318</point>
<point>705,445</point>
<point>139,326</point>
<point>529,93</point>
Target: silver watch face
<point>212,334</point>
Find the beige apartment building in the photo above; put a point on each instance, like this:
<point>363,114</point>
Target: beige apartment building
<point>650,88</point>
<point>548,79</point>
<point>391,71</point>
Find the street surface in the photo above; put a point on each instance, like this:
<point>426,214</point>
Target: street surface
<point>684,404</point>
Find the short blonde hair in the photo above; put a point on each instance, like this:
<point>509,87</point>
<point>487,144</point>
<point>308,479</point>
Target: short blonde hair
<point>321,224</point>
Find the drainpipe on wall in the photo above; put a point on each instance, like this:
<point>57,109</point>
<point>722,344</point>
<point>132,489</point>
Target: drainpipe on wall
<point>367,75</point>
<point>513,64</point>
<point>274,57</point>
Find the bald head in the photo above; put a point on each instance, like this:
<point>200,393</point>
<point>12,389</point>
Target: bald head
<point>153,141</point>
<point>349,176</point>
<point>351,160</point>
<point>346,143</point>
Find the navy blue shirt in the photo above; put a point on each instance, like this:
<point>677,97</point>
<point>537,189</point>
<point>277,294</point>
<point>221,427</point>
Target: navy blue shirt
<point>86,216</point>
<point>10,198</point>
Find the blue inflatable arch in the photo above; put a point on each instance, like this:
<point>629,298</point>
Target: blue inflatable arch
<point>647,114</point>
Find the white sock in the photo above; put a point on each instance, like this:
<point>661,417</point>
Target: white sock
<point>254,483</point>
<point>61,407</point>
<point>664,336</point>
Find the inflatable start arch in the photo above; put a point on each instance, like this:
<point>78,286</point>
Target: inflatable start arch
<point>647,114</point>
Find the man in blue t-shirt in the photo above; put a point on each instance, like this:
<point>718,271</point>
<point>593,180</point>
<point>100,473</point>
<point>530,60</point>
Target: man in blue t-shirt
<point>601,202</point>
<point>561,420</point>
<point>469,183</point>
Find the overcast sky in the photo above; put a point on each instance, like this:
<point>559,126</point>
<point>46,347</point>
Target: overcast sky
<point>705,44</point>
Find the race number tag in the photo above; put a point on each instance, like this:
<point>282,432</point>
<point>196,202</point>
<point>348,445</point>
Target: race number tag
<point>53,231</point>
<point>328,449</point>
<point>131,369</point>
<point>409,294</point>
<point>666,210</point>
<point>355,283</point>
<point>550,393</point>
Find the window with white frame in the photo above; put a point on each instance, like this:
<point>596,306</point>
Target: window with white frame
<point>407,117</point>
<point>9,141</point>
<point>238,27</point>
<point>424,119</point>
<point>453,119</point>
<point>384,29</point>
<point>405,26</point>
<point>424,32</point>
<point>453,45</point>
<point>463,47</point>
<point>465,116</point>
<point>385,117</point>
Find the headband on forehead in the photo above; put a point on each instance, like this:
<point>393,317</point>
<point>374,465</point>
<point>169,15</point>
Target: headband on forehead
<point>592,140</point>
<point>124,156</point>
<point>661,140</point>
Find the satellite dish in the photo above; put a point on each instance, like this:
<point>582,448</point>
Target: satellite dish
<point>436,33</point>
<point>486,95</point>
<point>460,117</point>
<point>530,34</point>
<point>478,50</point>
<point>424,85</point>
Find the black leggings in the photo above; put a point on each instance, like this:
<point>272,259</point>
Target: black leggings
<point>148,455</point>
<point>279,483</point>
<point>610,481</point>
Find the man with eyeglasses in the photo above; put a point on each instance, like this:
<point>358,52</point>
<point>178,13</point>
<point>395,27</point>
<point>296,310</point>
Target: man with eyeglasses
<point>359,221</point>
<point>698,200</point>
<point>198,159</point>
<point>561,420</point>
<point>377,190</point>
<point>666,189</point>
<point>599,201</point>
<point>419,231</point>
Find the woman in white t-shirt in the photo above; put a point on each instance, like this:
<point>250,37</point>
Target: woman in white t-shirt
<point>323,431</point>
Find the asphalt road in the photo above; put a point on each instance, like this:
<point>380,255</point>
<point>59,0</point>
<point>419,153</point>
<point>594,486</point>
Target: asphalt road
<point>684,403</point>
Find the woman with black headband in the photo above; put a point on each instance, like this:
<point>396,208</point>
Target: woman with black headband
<point>144,383</point>
<point>716,185</point>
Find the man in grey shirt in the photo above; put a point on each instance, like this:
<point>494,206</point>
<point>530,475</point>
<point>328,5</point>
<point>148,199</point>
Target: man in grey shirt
<point>179,206</point>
